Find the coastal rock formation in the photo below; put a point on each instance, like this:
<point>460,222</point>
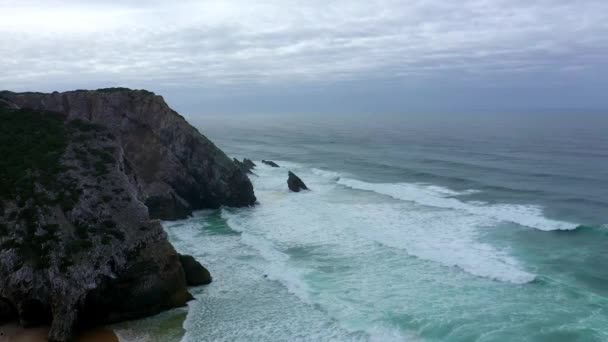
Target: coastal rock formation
<point>8,105</point>
<point>78,246</point>
<point>249,163</point>
<point>174,168</point>
<point>294,183</point>
<point>246,165</point>
<point>196,274</point>
<point>270,163</point>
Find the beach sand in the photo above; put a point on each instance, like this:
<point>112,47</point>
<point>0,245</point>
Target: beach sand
<point>12,332</point>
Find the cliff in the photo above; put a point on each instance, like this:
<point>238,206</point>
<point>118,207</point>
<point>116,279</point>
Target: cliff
<point>78,245</point>
<point>175,168</point>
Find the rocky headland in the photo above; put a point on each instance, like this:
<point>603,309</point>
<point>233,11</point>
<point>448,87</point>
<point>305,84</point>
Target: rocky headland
<point>84,178</point>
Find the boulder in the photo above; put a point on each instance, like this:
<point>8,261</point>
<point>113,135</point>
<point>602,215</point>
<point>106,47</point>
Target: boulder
<point>294,183</point>
<point>196,274</point>
<point>270,163</point>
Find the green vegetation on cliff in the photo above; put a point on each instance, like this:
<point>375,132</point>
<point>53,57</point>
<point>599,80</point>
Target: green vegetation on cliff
<point>122,89</point>
<point>31,144</point>
<point>34,175</point>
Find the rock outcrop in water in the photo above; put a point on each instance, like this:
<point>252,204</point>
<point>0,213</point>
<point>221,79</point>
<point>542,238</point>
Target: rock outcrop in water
<point>196,274</point>
<point>294,183</point>
<point>246,165</point>
<point>77,242</point>
<point>270,163</point>
<point>175,169</point>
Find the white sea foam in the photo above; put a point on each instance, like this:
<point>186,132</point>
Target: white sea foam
<point>326,174</point>
<point>525,215</point>
<point>322,217</point>
<point>318,244</point>
<point>352,233</point>
<point>384,334</point>
<point>249,299</point>
<point>278,267</point>
<point>444,236</point>
<point>131,335</point>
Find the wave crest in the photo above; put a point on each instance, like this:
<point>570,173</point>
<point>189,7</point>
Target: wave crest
<point>435,196</point>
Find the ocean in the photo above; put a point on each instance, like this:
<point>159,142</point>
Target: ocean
<point>472,227</point>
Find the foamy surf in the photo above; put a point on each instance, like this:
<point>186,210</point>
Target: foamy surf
<point>525,215</point>
<point>388,265</point>
<point>317,243</point>
<point>326,174</point>
<point>360,262</point>
<point>255,293</point>
<point>445,237</point>
<point>323,216</point>
<point>277,267</point>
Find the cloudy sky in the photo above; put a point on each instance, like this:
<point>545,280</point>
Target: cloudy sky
<point>316,55</point>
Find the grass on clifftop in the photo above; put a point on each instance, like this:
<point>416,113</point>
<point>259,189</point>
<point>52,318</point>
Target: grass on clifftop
<point>122,89</point>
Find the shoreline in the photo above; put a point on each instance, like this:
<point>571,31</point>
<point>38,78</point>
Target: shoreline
<point>13,332</point>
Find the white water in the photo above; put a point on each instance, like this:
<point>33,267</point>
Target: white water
<point>342,262</point>
<point>244,303</point>
<point>525,215</point>
<point>309,240</point>
<point>432,227</point>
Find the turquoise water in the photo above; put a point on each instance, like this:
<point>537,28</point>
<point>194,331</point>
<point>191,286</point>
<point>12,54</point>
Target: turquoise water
<point>417,228</point>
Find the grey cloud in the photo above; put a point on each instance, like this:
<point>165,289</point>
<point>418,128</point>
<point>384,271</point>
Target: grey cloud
<point>202,44</point>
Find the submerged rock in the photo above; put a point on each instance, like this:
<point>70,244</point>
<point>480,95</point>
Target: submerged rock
<point>294,183</point>
<point>196,274</point>
<point>78,246</point>
<point>270,163</point>
<point>173,167</point>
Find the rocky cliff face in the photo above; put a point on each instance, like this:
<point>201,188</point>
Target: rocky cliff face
<point>176,169</point>
<point>77,244</point>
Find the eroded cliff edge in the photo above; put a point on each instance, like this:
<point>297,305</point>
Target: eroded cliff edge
<point>78,245</point>
<point>176,169</point>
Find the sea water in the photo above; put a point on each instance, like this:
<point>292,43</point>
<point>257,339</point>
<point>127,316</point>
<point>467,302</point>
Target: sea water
<point>416,228</point>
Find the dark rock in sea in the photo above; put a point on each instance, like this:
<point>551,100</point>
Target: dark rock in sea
<point>78,245</point>
<point>173,168</point>
<point>270,163</point>
<point>294,183</point>
<point>196,274</point>
<point>246,165</point>
<point>249,163</point>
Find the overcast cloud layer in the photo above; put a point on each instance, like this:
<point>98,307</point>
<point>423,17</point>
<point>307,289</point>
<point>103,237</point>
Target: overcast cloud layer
<point>218,51</point>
